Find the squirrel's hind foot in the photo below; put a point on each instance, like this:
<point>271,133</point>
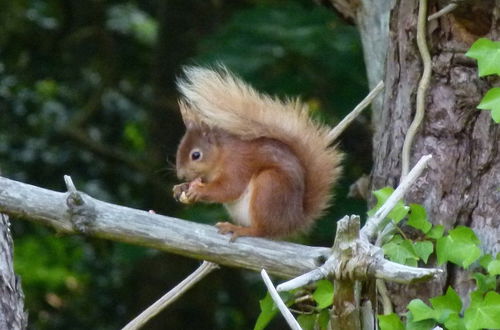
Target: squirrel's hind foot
<point>235,230</point>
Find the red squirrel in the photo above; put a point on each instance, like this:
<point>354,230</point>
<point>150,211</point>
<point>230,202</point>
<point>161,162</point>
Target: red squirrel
<point>264,159</point>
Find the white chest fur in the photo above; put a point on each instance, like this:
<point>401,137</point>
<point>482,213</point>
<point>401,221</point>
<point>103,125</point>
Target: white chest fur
<point>239,210</point>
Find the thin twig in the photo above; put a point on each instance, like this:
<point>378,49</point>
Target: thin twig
<point>337,130</point>
<point>69,184</point>
<point>374,223</point>
<point>445,10</point>
<point>384,294</point>
<point>422,88</point>
<point>205,268</point>
<point>292,322</point>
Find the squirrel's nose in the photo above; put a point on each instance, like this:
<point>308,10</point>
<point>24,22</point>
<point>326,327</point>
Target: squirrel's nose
<point>181,174</point>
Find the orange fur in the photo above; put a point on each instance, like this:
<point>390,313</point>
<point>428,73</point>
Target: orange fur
<point>271,144</point>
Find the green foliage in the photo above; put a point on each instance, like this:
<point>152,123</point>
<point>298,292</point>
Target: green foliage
<point>401,251</point>
<point>47,263</point>
<point>268,311</point>
<point>323,295</point>
<point>130,20</point>
<point>390,322</point>
<point>491,101</point>
<point>423,249</point>
<point>460,246</point>
<point>487,54</point>
<point>494,267</point>
<point>445,310</point>
<point>484,311</point>
<point>286,47</point>
<point>397,213</point>
<point>317,321</point>
<point>436,232</point>
<point>418,218</point>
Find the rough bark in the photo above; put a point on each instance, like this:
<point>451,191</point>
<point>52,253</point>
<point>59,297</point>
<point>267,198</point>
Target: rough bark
<point>12,315</point>
<point>461,185</point>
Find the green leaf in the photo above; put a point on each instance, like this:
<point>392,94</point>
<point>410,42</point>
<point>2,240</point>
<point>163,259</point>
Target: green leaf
<point>411,324</point>
<point>323,295</point>
<point>307,322</point>
<point>390,322</point>
<point>436,232</point>
<point>485,283</point>
<point>491,101</point>
<point>455,322</point>
<point>483,313</point>
<point>324,319</point>
<point>494,267</point>
<point>397,213</point>
<point>485,260</point>
<point>461,247</point>
<point>423,249</point>
<point>420,310</point>
<point>418,218</point>
<point>400,251</point>
<point>268,311</point>
<point>487,54</point>
<point>446,305</point>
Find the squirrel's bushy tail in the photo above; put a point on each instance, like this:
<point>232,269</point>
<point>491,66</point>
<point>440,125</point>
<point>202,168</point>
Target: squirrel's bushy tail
<point>219,99</point>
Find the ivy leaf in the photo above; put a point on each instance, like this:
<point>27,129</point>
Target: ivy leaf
<point>446,305</point>
<point>455,322</point>
<point>461,247</point>
<point>323,295</point>
<point>412,324</point>
<point>487,54</point>
<point>423,249</point>
<point>420,310</point>
<point>397,213</point>
<point>436,232</point>
<point>307,322</point>
<point>485,283</point>
<point>418,218</point>
<point>483,313</point>
<point>324,319</point>
<point>494,267</point>
<point>400,251</point>
<point>390,322</point>
<point>485,260</point>
<point>491,101</point>
<point>268,311</point>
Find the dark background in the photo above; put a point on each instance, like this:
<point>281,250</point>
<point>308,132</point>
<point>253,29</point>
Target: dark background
<point>87,88</point>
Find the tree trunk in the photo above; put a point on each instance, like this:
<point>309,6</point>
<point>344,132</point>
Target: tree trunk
<point>461,184</point>
<point>12,315</point>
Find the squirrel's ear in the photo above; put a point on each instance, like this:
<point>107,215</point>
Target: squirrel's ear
<point>187,114</point>
<point>209,134</point>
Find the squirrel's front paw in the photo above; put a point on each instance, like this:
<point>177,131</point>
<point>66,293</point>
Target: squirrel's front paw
<point>188,192</point>
<point>179,191</point>
<point>193,194</point>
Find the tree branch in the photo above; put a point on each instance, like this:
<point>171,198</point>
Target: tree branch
<point>340,127</point>
<point>171,296</point>
<point>90,216</point>
<point>292,322</point>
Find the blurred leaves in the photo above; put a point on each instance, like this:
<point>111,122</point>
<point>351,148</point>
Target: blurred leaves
<point>290,50</point>
<point>91,68</point>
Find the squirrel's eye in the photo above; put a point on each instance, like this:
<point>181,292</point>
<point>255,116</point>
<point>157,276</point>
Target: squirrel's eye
<point>195,155</point>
